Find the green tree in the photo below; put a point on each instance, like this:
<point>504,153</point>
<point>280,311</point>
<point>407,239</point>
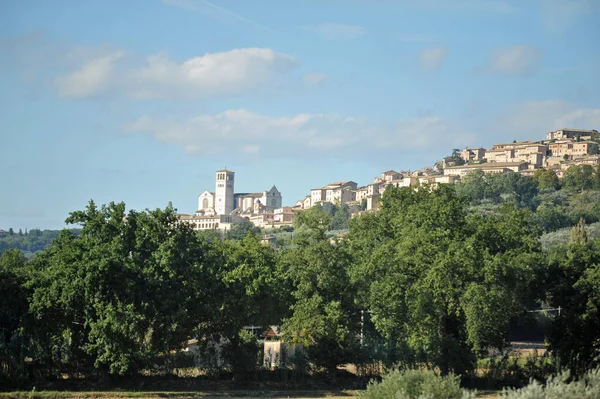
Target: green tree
<point>578,233</point>
<point>240,230</point>
<point>550,217</point>
<point>546,179</point>
<point>339,220</point>
<point>249,292</point>
<point>473,186</point>
<point>363,204</point>
<point>573,279</point>
<point>324,315</point>
<point>437,275</point>
<point>579,177</point>
<point>455,159</point>
<point>131,286</point>
<point>13,311</point>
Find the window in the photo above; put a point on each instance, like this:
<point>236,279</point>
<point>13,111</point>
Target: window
<point>205,203</point>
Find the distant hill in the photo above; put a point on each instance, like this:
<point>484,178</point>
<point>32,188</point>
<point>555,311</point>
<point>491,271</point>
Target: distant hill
<point>29,242</point>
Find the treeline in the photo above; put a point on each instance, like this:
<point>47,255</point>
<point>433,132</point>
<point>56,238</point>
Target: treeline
<point>29,242</point>
<point>434,278</point>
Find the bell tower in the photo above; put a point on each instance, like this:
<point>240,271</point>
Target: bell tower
<point>224,192</point>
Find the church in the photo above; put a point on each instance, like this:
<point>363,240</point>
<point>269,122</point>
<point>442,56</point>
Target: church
<point>221,208</point>
<point>225,201</point>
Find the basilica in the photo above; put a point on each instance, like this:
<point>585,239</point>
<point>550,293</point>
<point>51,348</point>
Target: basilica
<point>221,208</point>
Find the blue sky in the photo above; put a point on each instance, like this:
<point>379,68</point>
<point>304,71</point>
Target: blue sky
<point>142,100</point>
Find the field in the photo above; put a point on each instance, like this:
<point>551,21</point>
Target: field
<point>203,395</point>
<point>181,395</point>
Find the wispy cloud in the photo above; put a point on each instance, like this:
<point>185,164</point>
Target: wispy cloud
<point>515,60</point>
<point>432,58</point>
<point>92,78</point>
<point>210,8</point>
<point>239,132</point>
<point>158,76</point>
<point>336,31</point>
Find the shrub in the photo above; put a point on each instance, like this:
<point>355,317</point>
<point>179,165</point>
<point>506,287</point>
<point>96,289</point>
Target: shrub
<point>587,387</point>
<point>416,384</point>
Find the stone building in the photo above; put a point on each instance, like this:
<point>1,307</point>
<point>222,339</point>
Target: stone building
<point>221,208</point>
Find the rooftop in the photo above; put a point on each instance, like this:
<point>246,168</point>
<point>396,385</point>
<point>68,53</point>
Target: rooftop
<point>575,130</point>
<point>488,165</point>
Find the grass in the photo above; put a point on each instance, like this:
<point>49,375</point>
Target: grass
<point>202,395</point>
<point>179,395</point>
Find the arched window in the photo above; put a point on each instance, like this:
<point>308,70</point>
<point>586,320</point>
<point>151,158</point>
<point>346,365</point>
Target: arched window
<point>205,203</point>
<point>273,202</point>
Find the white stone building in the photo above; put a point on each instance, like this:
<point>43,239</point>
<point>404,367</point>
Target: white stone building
<point>221,208</point>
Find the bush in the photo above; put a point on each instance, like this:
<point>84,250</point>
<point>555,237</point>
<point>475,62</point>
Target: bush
<point>416,384</point>
<point>587,387</point>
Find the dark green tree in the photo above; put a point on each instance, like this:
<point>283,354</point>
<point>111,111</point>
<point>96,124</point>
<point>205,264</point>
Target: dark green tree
<point>573,281</point>
<point>579,177</point>
<point>242,229</point>
<point>131,286</point>
<point>436,276</point>
<point>13,312</point>
<point>546,179</point>
<point>249,292</point>
<point>339,220</point>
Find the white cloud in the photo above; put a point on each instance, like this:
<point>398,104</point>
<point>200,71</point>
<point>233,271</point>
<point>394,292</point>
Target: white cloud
<point>92,78</point>
<point>228,72</point>
<point>433,57</point>
<point>336,31</point>
<point>241,132</point>
<point>314,79</point>
<point>515,60</point>
<point>158,76</point>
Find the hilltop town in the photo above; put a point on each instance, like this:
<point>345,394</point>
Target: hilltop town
<point>560,150</point>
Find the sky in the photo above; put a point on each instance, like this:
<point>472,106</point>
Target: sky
<point>142,101</point>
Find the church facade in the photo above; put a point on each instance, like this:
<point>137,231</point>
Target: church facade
<point>220,208</point>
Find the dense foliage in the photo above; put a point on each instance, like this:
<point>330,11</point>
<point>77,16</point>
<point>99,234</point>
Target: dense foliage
<point>434,279</point>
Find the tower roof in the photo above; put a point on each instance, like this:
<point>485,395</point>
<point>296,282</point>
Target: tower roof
<point>226,170</point>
